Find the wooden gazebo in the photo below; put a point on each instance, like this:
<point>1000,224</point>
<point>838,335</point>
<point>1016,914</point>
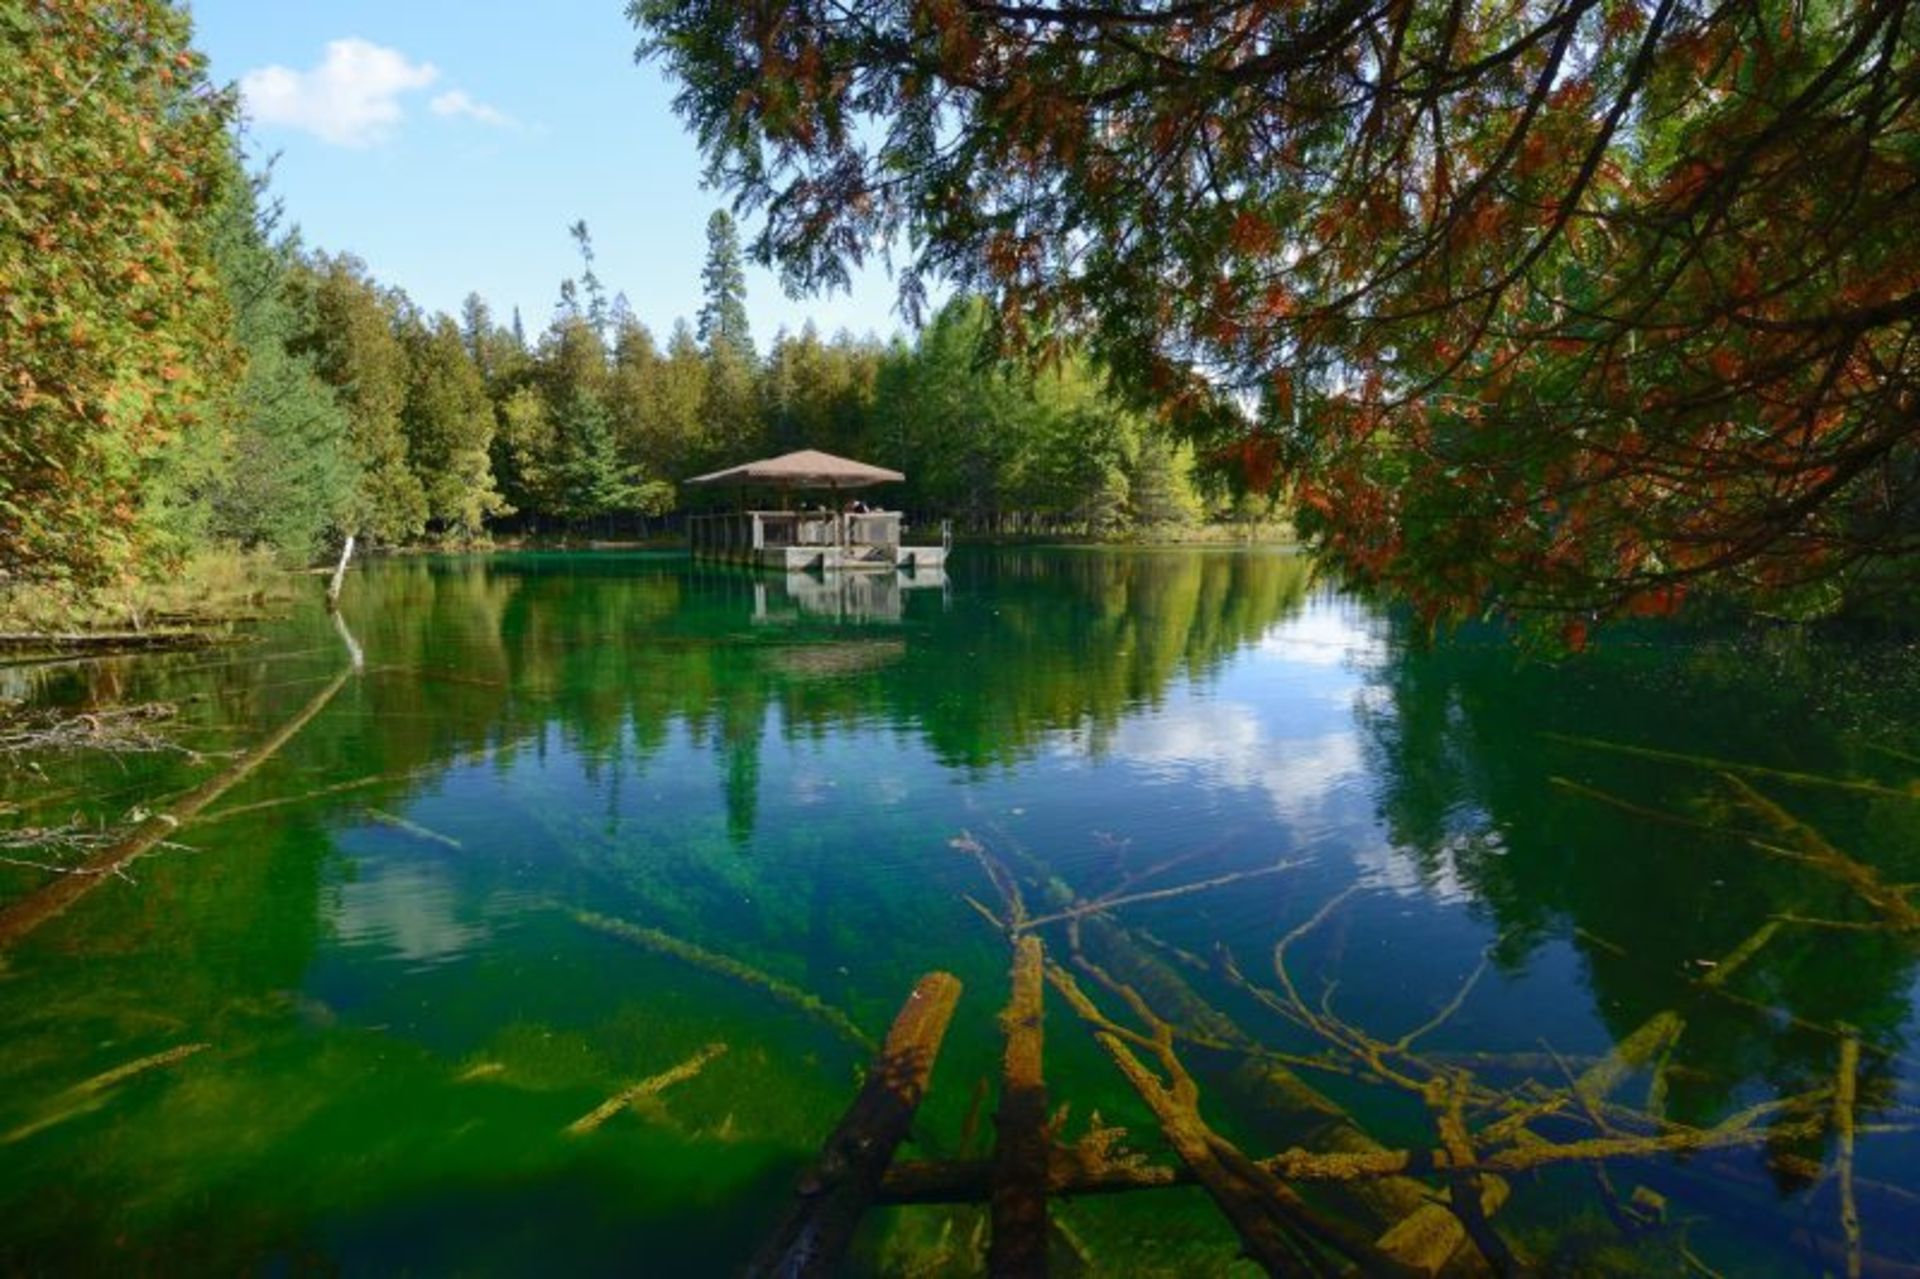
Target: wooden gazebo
<point>821,535</point>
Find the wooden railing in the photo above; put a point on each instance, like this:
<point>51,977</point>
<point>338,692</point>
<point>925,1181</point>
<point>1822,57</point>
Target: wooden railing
<point>740,531</point>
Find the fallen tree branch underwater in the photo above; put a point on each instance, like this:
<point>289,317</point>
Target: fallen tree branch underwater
<point>19,919</point>
<point>652,939</point>
<point>649,1087</point>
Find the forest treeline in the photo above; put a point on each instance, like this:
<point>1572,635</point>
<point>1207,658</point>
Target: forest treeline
<point>403,426</point>
<point>207,380</point>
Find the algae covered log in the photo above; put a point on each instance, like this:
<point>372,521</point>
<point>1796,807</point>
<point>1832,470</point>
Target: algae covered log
<point>1278,1228</point>
<point>1019,1245</point>
<point>90,1094</point>
<point>836,1191</point>
<point>648,1087</point>
<point>686,952</point>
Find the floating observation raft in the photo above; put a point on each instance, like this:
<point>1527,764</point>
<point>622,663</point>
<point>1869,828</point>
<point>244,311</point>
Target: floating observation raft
<point>822,538</point>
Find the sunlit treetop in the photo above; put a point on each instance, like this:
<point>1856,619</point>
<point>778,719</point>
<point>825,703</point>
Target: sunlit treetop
<point>1574,305</point>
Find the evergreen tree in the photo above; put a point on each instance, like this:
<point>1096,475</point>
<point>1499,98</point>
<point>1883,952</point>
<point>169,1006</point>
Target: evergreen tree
<point>730,410</point>
<point>723,316</point>
<point>620,316</point>
<point>634,358</point>
<point>449,424</point>
<point>1159,494</point>
<point>349,335</point>
<point>286,475</point>
<point>478,335</point>
<point>524,452</point>
<point>675,392</point>
<point>596,312</point>
<point>589,479</point>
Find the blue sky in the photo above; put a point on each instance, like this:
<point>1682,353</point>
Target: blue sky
<point>450,145</point>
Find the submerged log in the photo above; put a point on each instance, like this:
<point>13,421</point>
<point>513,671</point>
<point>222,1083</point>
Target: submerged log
<point>725,966</point>
<point>1104,904</point>
<point>837,1190</point>
<point>22,917</point>
<point>307,797</point>
<point>1279,1229</point>
<point>426,834</point>
<point>1819,854</point>
<point>68,642</point>
<point>1845,1090</point>
<point>1019,1244</point>
<point>90,1094</point>
<point>930,1181</point>
<point>1735,766</point>
<point>1416,1229</point>
<point>649,1087</point>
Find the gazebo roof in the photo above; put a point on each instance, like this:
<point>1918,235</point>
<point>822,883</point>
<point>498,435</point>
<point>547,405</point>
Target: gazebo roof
<point>806,469</point>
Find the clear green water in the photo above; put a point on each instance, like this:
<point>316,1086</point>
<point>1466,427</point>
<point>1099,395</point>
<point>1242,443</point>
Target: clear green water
<point>400,1029</point>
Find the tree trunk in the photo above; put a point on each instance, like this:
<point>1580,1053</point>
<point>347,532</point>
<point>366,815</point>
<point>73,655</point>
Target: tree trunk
<point>339,576</point>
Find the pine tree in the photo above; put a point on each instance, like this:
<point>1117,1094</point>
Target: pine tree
<point>1159,491</point>
<point>634,358</point>
<point>589,477</point>
<point>524,452</point>
<point>596,312</point>
<point>723,317</point>
<point>730,410</point>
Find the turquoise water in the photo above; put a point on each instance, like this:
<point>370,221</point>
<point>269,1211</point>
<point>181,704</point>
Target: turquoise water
<point>402,959</point>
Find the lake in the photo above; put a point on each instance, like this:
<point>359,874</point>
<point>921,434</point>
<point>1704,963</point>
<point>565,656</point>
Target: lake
<point>592,820</point>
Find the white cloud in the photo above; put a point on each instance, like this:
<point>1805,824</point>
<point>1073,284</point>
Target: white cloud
<point>351,99</point>
<point>1328,632</point>
<point>455,104</point>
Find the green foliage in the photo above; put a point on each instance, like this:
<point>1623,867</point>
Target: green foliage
<point>350,336</point>
<point>589,297</point>
<point>1009,449</point>
<point>449,424</point>
<point>524,448</point>
<point>114,330</point>
<point>179,376</point>
<point>1562,306</point>
<point>284,477</point>
<point>723,318</point>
